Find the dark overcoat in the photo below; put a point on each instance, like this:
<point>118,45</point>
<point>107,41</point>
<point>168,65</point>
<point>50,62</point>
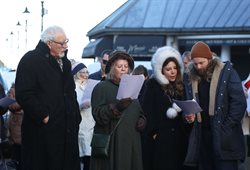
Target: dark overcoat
<point>164,140</point>
<point>42,89</point>
<point>227,106</point>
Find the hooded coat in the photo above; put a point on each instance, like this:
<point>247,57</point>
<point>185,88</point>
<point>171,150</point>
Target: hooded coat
<point>42,90</point>
<point>164,139</point>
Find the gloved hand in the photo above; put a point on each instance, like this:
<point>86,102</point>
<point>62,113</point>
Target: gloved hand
<point>141,123</point>
<point>123,104</point>
<point>117,108</point>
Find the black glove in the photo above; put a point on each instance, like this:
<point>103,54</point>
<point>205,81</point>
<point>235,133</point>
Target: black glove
<point>120,106</point>
<point>123,104</point>
<point>141,123</point>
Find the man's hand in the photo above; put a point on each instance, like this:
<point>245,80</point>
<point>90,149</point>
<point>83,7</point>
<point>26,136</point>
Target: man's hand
<point>190,117</point>
<point>46,120</point>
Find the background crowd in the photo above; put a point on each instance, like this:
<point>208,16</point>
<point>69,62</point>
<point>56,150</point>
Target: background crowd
<point>51,124</point>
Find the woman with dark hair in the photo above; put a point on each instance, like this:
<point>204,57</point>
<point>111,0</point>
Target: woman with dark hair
<point>165,142</point>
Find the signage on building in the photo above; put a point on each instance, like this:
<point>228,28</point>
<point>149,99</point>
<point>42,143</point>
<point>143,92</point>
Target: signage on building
<point>217,42</point>
<point>139,46</point>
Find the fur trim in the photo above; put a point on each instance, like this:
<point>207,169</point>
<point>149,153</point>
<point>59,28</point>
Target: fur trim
<point>177,108</point>
<point>158,59</point>
<point>171,113</point>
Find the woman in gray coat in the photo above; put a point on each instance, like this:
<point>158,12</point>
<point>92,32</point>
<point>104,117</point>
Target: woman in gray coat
<point>125,145</point>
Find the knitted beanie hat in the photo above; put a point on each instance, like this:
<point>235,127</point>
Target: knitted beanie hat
<point>77,66</point>
<point>201,50</point>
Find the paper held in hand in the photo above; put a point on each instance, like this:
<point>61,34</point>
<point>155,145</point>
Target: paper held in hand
<point>188,106</point>
<point>89,88</point>
<point>130,86</point>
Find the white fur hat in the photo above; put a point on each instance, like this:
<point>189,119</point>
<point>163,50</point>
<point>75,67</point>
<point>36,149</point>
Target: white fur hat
<point>160,57</point>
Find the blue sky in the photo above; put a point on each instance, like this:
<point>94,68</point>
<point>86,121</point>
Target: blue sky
<point>77,17</point>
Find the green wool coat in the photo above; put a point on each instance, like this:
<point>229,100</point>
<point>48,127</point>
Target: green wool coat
<point>125,146</point>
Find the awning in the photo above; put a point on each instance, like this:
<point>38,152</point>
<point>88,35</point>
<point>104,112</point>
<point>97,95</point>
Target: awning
<point>96,47</point>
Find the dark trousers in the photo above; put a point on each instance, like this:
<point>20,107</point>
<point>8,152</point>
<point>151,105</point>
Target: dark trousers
<point>85,160</point>
<point>16,155</point>
<point>207,160</point>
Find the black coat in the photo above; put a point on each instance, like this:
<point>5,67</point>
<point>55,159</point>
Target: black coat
<point>168,149</point>
<point>229,109</point>
<point>42,89</point>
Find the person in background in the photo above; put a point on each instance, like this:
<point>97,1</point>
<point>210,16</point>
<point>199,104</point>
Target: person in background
<point>166,139</point>
<point>100,75</point>
<point>14,126</point>
<point>246,123</point>
<point>186,59</point>
<point>45,89</point>
<point>80,73</point>
<point>4,144</point>
<point>140,69</point>
<point>3,110</point>
<point>125,142</point>
<point>217,87</point>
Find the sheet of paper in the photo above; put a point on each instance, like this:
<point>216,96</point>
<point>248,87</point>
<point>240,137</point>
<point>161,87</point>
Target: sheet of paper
<point>188,106</point>
<point>6,101</point>
<point>89,88</point>
<point>130,86</point>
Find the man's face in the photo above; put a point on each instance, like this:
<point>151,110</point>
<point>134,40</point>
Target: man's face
<point>186,61</point>
<point>104,61</point>
<point>58,45</point>
<point>201,65</point>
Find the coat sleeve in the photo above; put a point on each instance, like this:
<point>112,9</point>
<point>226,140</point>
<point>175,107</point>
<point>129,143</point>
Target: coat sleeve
<point>147,107</point>
<point>26,90</point>
<point>236,100</point>
<point>100,106</point>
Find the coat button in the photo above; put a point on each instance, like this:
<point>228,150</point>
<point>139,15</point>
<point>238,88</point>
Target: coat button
<point>172,129</point>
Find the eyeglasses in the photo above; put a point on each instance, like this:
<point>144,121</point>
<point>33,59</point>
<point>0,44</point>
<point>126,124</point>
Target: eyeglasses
<point>61,43</point>
<point>105,61</point>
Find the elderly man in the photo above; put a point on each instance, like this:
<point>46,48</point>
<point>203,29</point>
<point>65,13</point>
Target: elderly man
<point>46,91</point>
<point>217,87</point>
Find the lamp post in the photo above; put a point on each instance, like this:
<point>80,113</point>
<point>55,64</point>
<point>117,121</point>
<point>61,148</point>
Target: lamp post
<point>26,11</point>
<point>11,39</point>
<point>42,14</point>
<point>18,34</point>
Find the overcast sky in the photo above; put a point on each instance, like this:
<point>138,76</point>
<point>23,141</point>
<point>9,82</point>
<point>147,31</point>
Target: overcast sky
<point>77,17</point>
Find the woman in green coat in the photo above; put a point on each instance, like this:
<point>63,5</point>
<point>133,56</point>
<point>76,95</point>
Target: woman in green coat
<point>125,144</point>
